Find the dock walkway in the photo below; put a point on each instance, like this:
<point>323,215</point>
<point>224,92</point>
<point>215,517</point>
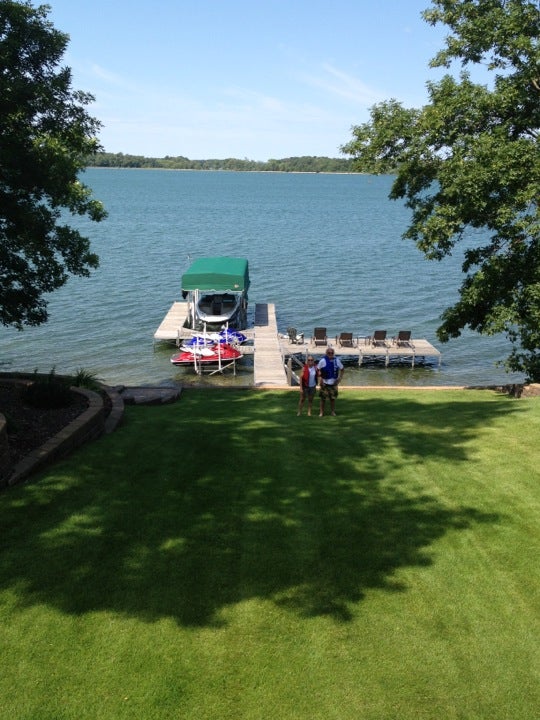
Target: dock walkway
<point>173,323</point>
<point>268,367</point>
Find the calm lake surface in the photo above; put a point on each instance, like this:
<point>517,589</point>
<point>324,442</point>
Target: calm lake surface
<point>326,249</point>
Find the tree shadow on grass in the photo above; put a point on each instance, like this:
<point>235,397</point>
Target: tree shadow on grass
<point>225,497</point>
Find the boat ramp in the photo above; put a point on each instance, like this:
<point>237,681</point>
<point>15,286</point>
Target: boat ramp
<point>273,353</point>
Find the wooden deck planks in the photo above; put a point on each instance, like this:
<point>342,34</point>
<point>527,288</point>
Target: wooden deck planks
<point>172,325</point>
<point>418,348</point>
<point>268,368</point>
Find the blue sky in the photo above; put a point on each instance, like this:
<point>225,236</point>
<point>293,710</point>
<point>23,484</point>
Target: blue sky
<point>253,79</point>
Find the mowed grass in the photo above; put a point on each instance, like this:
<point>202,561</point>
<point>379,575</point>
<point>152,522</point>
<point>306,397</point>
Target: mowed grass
<point>221,558</point>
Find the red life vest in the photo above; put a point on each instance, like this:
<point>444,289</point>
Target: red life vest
<point>305,375</point>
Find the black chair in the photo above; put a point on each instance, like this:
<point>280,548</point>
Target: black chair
<point>378,339</point>
<point>403,339</point>
<point>345,339</point>
<point>319,336</point>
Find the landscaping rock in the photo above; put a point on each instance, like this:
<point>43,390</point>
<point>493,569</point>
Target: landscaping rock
<point>532,390</point>
<point>149,395</point>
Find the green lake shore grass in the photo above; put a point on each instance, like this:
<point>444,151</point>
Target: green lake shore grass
<point>220,558</point>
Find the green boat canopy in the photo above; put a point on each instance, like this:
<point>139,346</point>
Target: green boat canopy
<point>217,273</point>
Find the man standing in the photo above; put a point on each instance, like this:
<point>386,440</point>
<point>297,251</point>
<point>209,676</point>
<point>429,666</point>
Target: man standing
<point>331,371</point>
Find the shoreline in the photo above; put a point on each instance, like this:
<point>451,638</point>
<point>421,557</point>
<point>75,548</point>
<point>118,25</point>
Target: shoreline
<point>231,170</point>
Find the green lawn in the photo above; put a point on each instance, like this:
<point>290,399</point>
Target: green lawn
<point>221,558</point>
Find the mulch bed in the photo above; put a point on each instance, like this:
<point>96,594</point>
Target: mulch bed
<point>30,427</point>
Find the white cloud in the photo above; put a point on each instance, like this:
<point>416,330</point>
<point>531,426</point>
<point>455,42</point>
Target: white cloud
<point>109,77</point>
<point>337,82</point>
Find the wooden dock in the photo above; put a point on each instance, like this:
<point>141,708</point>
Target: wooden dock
<point>172,326</point>
<point>268,367</point>
<point>416,351</point>
<point>271,350</point>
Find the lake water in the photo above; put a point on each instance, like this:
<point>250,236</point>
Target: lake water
<point>326,249</point>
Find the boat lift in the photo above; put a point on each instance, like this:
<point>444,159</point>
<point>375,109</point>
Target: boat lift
<point>222,365</point>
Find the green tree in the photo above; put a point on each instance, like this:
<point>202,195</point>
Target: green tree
<point>469,160</point>
<point>46,137</point>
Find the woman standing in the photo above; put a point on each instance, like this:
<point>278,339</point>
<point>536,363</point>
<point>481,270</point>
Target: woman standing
<point>308,384</point>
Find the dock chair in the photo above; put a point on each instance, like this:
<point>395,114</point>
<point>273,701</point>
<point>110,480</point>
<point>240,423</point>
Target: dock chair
<point>403,339</point>
<point>319,336</point>
<point>378,339</point>
<point>295,338</point>
<point>345,339</point>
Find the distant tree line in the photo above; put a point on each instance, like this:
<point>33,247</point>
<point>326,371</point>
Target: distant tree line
<point>306,163</point>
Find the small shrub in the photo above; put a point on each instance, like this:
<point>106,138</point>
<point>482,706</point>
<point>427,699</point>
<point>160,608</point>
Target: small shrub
<point>47,393</point>
<point>86,379</point>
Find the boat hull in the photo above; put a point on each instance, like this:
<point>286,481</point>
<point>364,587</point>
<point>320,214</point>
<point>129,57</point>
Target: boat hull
<point>215,311</point>
<point>214,355</point>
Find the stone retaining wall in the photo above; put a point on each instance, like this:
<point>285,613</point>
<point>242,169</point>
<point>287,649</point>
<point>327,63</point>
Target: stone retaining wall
<point>5,459</point>
<point>87,426</point>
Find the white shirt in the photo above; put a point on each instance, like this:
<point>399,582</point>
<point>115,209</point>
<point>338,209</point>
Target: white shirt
<point>312,378</point>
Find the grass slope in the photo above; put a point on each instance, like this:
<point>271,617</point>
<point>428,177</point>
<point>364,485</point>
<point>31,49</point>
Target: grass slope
<point>222,558</point>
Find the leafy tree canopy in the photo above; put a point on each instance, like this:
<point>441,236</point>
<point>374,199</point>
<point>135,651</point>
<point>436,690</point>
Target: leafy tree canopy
<point>46,136</point>
<point>470,160</point>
